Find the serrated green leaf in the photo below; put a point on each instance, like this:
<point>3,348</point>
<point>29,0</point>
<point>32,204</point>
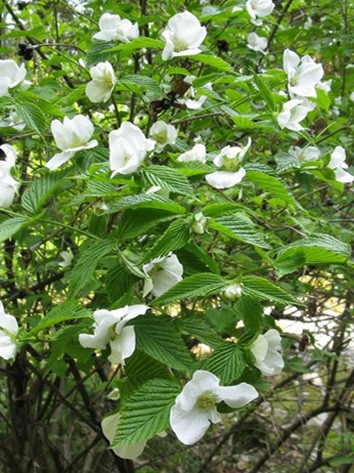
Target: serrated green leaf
<point>270,184</point>
<point>68,310</point>
<point>201,330</point>
<point>212,61</point>
<point>41,190</point>
<point>146,201</point>
<point>198,285</point>
<point>239,227</point>
<point>32,115</point>
<point>83,271</point>
<point>167,178</point>
<point>137,222</point>
<point>316,249</point>
<point>265,92</point>
<point>263,289</point>
<point>11,226</point>
<point>146,412</point>
<point>118,281</point>
<point>250,311</point>
<point>159,338</point>
<point>176,236</point>
<point>226,362</point>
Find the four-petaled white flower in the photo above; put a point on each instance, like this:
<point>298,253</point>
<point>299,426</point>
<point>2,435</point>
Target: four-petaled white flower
<point>71,136</point>
<point>8,334</point>
<point>265,350</point>
<point>128,147</point>
<point>10,75</point>
<point>303,74</point>
<point>197,153</point>
<point>257,43</point>
<point>103,82</point>
<point>161,274</point>
<point>183,36</point>
<point>293,112</point>
<point>163,134</point>
<point>67,257</point>
<point>109,427</point>
<point>8,185</point>
<point>338,164</point>
<point>229,159</point>
<point>259,8</point>
<point>195,407</point>
<point>12,120</point>
<point>310,153</point>
<point>113,28</point>
<point>109,328</point>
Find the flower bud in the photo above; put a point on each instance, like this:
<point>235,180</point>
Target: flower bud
<point>199,223</point>
<point>233,292</point>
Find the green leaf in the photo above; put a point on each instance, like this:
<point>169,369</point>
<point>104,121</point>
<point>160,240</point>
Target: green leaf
<point>239,227</point>
<point>118,281</point>
<point>270,184</point>
<point>32,115</point>
<point>138,43</point>
<point>264,91</point>
<point>198,285</point>
<point>146,201</point>
<point>250,311</point>
<point>316,249</point>
<point>196,326</point>
<point>158,337</point>
<point>167,178</point>
<point>41,190</point>
<point>212,61</point>
<point>137,222</point>
<point>68,310</point>
<point>226,362</point>
<point>11,226</point>
<point>175,237</point>
<point>83,271</point>
<point>263,289</point>
<point>146,412</point>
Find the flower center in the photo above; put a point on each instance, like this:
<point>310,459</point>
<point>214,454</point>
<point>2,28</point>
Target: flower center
<point>206,401</point>
<point>294,81</point>
<point>180,45</point>
<point>230,164</point>
<point>161,137</point>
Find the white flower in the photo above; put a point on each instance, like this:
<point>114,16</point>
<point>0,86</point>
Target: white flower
<point>109,328</point>
<point>325,85</point>
<point>10,75</point>
<point>128,147</point>
<point>197,153</point>
<point>113,28</point>
<point>183,36</point>
<point>311,153</point>
<point>71,136</point>
<point>103,82</point>
<point>67,257</point>
<point>8,185</point>
<point>163,134</point>
<point>12,120</point>
<point>109,427</point>
<point>264,349</point>
<point>199,223</point>
<point>229,159</point>
<point>162,274</point>
<point>338,164</point>
<point>257,43</point>
<point>303,74</point>
<point>351,96</point>
<point>260,8</point>
<point>294,111</point>
<point>233,292</point>
<point>195,406</point>
<point>8,333</point>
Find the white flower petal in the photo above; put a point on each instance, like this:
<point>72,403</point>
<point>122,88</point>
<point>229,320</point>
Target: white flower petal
<point>189,427</point>
<point>237,396</point>
<point>224,179</point>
